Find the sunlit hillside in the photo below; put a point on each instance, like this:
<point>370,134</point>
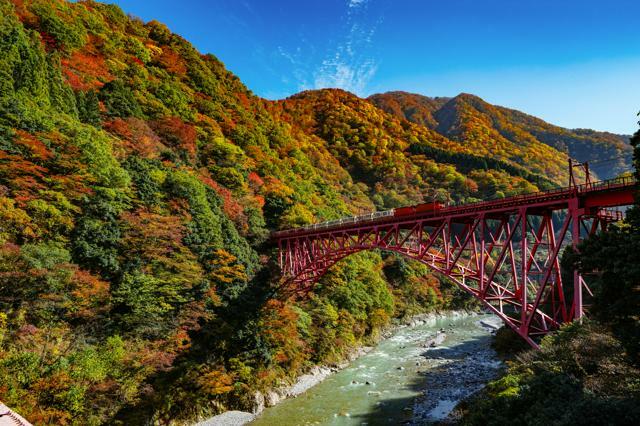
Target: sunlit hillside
<point>139,181</point>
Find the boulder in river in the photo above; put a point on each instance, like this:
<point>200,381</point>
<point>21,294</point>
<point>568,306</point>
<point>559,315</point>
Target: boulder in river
<point>435,341</point>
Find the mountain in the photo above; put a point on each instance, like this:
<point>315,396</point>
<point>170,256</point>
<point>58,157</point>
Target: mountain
<point>469,119</point>
<point>415,108</point>
<point>139,181</point>
<point>398,162</point>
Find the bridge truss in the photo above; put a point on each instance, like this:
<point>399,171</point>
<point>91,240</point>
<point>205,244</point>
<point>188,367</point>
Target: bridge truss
<point>505,252</point>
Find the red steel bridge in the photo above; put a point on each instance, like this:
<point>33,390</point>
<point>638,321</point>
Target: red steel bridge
<point>504,252</point>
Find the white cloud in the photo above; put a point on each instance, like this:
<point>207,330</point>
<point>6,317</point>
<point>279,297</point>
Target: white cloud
<point>356,3</point>
<point>345,74</point>
<point>347,64</point>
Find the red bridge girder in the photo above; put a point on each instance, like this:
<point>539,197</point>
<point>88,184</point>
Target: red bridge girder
<point>503,252</point>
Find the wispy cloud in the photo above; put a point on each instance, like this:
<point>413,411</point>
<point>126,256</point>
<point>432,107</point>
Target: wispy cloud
<point>348,63</point>
<point>349,66</point>
<point>356,3</point>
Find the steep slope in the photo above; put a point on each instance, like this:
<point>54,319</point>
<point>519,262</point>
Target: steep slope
<point>138,182</point>
<point>517,136</point>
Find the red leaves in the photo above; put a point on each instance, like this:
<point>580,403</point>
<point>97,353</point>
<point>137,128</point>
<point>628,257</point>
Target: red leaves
<point>35,146</point>
<point>25,178</point>
<point>48,41</point>
<point>177,134</point>
<point>119,127</point>
<point>255,180</point>
<point>230,205</point>
<point>137,61</point>
<point>85,70</point>
<point>40,167</point>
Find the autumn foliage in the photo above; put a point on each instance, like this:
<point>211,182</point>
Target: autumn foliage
<point>139,182</point>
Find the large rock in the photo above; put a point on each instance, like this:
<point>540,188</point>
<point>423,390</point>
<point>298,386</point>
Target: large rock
<point>435,341</point>
<point>272,398</point>
<point>257,403</point>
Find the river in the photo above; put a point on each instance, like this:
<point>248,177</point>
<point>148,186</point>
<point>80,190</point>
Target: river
<point>401,381</point>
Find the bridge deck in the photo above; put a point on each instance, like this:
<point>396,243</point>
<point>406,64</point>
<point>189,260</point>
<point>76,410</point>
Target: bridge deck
<point>609,193</point>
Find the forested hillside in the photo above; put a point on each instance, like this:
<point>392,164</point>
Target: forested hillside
<point>474,122</point>
<point>139,180</point>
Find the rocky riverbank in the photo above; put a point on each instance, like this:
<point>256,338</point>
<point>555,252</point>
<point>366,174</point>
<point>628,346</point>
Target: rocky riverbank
<point>317,374</point>
<point>459,372</point>
<point>273,397</point>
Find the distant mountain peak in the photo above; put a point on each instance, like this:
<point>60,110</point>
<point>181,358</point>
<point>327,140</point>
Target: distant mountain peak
<point>469,118</point>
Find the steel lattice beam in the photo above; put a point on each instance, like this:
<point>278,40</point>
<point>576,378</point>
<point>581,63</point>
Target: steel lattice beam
<point>504,253</point>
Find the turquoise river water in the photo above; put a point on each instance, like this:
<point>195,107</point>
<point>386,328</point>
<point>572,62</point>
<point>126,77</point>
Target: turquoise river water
<point>400,381</point>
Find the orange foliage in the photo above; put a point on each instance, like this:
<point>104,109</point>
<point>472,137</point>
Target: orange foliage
<point>37,149</point>
<point>22,176</point>
<point>48,388</point>
<point>225,268</point>
<point>89,294</point>
<point>136,136</point>
<point>24,14</point>
<point>276,187</point>
<point>279,326</point>
<point>118,127</point>
<point>255,180</point>
<point>230,205</point>
<point>152,236</point>
<point>216,382</point>
<point>85,70</point>
<point>171,61</point>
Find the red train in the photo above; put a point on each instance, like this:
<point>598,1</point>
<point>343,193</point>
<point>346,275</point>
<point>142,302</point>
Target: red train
<point>420,208</point>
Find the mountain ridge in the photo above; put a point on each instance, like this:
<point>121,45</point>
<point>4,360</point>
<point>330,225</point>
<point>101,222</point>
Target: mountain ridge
<point>440,114</point>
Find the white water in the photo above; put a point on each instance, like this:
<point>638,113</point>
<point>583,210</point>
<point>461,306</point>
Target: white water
<point>400,381</point>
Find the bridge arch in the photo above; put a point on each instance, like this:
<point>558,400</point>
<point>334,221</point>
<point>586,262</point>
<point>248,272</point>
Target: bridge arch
<point>503,252</point>
<point>309,276</point>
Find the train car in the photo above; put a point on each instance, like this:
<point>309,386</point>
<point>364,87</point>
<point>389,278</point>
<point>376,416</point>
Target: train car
<point>404,211</point>
<point>428,207</point>
<point>420,208</point>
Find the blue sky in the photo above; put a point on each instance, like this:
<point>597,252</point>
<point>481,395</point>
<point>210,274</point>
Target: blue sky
<point>575,63</point>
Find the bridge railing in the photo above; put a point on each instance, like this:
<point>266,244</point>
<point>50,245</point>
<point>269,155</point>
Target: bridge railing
<point>619,182</point>
<point>346,220</point>
<point>609,184</point>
